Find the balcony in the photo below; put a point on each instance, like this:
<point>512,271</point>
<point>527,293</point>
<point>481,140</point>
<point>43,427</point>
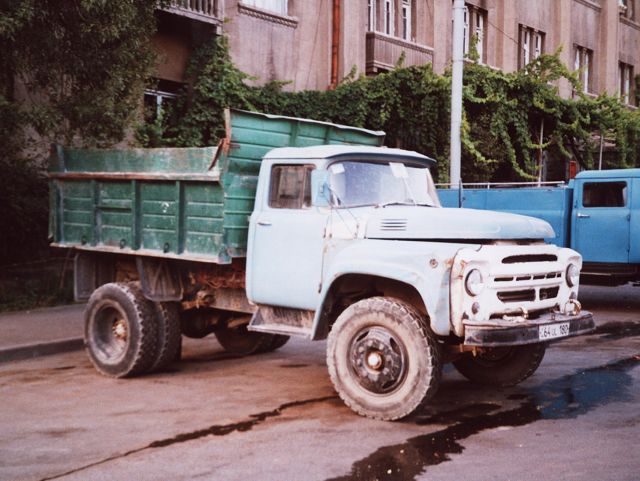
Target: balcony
<point>208,11</point>
<point>383,53</point>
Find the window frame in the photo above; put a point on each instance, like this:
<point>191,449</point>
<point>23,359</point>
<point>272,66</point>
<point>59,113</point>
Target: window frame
<point>372,7</point>
<point>281,9</point>
<point>626,82</point>
<point>530,45</point>
<point>406,19</point>
<point>304,193</point>
<point>476,21</point>
<point>625,194</point>
<point>627,9</point>
<point>584,60</point>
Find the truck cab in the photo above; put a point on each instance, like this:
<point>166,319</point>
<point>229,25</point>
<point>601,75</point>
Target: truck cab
<point>605,223</point>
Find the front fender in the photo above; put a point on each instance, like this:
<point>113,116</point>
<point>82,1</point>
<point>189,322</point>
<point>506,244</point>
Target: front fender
<point>424,265</point>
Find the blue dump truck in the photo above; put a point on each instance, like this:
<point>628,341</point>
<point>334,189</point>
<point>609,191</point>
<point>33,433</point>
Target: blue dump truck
<point>293,227</point>
<point>596,214</point>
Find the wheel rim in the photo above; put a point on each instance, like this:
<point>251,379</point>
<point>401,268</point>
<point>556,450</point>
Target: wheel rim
<point>378,360</point>
<point>112,334</point>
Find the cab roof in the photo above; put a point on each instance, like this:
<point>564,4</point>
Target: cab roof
<point>335,152</point>
<point>609,174</point>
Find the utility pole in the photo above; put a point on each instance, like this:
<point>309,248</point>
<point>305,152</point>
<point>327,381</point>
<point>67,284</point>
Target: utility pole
<point>456,92</point>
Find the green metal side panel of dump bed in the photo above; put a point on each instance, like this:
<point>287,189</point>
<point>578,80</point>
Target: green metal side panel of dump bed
<point>191,204</point>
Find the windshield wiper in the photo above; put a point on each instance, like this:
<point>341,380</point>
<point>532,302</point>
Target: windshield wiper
<point>406,202</point>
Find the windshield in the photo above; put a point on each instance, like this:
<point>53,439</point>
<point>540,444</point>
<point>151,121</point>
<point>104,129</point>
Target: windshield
<point>360,183</point>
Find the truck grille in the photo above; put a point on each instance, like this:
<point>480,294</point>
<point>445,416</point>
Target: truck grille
<point>530,258</point>
<point>527,295</point>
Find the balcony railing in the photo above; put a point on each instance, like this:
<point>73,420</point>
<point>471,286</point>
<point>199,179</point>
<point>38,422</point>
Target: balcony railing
<point>383,52</point>
<point>203,10</point>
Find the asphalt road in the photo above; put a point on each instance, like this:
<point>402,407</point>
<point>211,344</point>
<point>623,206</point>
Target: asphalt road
<point>276,417</point>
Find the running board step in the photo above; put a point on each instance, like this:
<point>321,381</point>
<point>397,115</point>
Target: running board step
<point>283,320</point>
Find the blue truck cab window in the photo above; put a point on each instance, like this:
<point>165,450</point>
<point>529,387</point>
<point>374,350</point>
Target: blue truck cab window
<point>604,194</point>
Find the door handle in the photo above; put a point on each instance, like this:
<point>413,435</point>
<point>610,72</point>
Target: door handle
<point>583,216</point>
<point>264,222</point>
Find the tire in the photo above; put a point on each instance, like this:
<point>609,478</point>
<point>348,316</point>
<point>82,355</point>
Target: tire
<point>504,366</point>
<point>242,342</point>
<point>278,341</point>
<point>169,337</point>
<point>120,331</point>
<point>383,359</point>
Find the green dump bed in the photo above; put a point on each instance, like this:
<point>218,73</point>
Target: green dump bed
<point>191,203</point>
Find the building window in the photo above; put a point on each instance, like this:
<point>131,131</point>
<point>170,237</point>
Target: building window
<point>625,74</point>
<point>531,45</point>
<point>372,6</point>
<point>475,20</point>
<point>584,65</point>
<point>406,19</point>
<point>391,17</point>
<point>158,100</point>
<point>277,6</point>
<point>388,17</point>
<point>627,8</point>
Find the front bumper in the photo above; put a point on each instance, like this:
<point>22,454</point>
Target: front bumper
<point>499,332</point>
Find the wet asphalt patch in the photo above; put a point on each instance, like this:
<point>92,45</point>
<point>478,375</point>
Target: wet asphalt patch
<point>562,398</point>
<point>618,330</point>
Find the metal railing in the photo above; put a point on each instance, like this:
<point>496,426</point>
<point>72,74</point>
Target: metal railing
<point>205,10</point>
<point>383,52</point>
<point>501,185</point>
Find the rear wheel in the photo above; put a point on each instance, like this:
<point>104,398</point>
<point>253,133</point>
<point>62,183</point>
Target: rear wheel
<point>501,366</point>
<point>169,337</point>
<point>240,341</point>
<point>383,359</point>
<point>120,332</point>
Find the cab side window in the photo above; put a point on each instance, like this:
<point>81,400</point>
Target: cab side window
<point>290,187</point>
<point>604,194</point>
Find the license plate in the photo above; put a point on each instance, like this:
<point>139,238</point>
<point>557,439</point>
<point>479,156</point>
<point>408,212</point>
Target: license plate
<point>553,331</point>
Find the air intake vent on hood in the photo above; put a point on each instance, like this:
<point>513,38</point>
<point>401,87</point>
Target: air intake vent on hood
<point>393,224</point>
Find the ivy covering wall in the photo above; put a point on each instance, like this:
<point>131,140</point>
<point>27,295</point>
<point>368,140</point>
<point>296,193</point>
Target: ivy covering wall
<point>504,114</point>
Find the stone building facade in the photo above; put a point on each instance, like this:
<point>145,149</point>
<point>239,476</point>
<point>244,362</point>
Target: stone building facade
<point>314,43</point>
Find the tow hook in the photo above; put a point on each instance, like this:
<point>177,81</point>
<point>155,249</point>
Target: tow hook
<point>572,307</point>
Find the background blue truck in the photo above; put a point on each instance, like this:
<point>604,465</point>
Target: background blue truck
<point>596,214</point>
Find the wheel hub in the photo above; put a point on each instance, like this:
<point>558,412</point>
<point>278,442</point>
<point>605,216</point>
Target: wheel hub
<point>120,329</point>
<point>377,360</point>
<point>374,360</point>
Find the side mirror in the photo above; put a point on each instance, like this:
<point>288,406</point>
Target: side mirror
<point>320,192</point>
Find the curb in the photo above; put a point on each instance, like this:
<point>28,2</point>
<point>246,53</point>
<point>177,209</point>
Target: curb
<point>29,351</point>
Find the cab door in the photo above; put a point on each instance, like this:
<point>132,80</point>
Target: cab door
<point>600,229</point>
<point>286,242</point>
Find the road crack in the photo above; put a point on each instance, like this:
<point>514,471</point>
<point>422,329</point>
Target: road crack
<point>214,430</point>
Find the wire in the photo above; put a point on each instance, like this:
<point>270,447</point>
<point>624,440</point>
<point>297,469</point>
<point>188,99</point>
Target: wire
<point>503,32</point>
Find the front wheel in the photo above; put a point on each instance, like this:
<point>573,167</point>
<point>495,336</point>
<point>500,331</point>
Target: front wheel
<point>383,360</point>
<point>501,366</point>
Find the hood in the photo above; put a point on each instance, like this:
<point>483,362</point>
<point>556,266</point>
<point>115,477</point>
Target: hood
<point>411,222</point>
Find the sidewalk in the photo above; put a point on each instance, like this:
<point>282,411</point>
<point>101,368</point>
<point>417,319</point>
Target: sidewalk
<point>39,332</point>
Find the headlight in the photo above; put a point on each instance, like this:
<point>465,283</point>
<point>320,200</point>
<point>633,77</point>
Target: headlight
<point>474,283</point>
<point>572,275</point>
